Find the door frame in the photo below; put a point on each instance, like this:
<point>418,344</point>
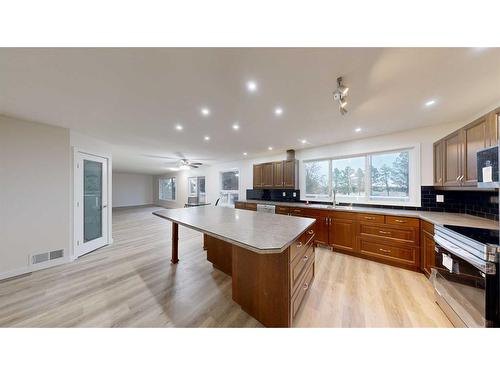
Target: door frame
<point>77,217</point>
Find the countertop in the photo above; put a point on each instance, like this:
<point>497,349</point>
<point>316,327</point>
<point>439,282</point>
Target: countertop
<point>436,218</point>
<point>255,231</point>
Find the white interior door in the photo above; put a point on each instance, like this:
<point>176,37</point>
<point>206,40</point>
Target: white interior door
<point>91,203</point>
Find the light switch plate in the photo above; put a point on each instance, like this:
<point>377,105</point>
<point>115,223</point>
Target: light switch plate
<point>439,198</point>
<point>284,194</point>
<point>294,194</point>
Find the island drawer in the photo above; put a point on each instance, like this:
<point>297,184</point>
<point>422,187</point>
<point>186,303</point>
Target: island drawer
<point>299,247</point>
<point>309,234</point>
<point>371,218</point>
<point>298,265</point>
<point>404,235</point>
<point>403,221</point>
<point>389,252</point>
<point>302,289</point>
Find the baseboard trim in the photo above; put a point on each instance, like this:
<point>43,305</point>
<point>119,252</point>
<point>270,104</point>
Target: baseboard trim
<point>31,269</point>
<point>135,206</point>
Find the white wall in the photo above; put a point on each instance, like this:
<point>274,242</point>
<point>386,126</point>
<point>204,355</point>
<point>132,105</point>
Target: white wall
<point>131,189</point>
<point>35,163</point>
<point>421,137</point>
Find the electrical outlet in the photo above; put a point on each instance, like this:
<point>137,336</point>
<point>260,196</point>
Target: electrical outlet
<point>439,198</point>
<point>284,194</point>
<point>294,194</point>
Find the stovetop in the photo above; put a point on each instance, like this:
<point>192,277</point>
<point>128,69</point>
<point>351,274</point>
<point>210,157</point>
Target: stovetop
<point>484,236</point>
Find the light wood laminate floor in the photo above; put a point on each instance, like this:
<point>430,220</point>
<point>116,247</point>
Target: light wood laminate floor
<point>133,284</point>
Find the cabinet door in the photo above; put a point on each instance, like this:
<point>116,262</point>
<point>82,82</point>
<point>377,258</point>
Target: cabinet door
<point>493,122</point>
<point>474,138</point>
<point>428,252</point>
<point>438,163</point>
<point>342,234</point>
<point>278,174</point>
<point>257,175</point>
<point>289,176</point>
<point>452,159</point>
<point>322,228</point>
<point>267,175</point>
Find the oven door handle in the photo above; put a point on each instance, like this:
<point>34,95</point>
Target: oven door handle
<point>483,266</point>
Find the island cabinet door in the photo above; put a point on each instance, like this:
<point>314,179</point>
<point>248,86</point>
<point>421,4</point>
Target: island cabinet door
<point>342,232</point>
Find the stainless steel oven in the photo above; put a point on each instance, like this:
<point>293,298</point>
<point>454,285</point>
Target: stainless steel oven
<point>466,279</point>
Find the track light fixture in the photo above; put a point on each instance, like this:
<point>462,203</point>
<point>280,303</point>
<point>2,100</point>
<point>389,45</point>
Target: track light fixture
<point>339,96</point>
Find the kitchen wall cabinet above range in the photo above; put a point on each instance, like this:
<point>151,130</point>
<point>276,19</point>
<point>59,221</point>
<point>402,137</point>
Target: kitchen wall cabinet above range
<point>455,161</point>
<point>276,175</point>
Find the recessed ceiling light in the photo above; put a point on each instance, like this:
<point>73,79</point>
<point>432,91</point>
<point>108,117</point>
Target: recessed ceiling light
<point>174,169</point>
<point>430,102</point>
<point>205,111</point>
<point>179,127</point>
<point>245,153</point>
<point>236,126</point>
<point>252,86</point>
<point>278,111</point>
<point>206,138</point>
<point>303,141</point>
<point>357,130</point>
<point>270,148</point>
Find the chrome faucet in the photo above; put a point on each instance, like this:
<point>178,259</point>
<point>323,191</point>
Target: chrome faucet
<point>334,203</point>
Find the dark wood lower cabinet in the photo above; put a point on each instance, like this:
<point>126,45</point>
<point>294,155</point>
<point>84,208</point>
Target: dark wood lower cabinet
<point>428,254</point>
<point>342,234</point>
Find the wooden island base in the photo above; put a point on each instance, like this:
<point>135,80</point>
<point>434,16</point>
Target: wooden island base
<point>269,287</point>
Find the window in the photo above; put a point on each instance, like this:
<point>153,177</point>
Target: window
<point>317,178</point>
<point>167,189</point>
<point>376,177</point>
<point>230,187</point>
<point>196,189</point>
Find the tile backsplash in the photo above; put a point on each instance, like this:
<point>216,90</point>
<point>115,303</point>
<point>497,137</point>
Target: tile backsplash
<point>472,202</point>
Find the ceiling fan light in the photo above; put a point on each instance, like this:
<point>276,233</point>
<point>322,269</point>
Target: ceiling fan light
<point>184,167</point>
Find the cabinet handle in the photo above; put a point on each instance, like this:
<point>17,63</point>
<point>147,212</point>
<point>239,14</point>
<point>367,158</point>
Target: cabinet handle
<point>305,258</point>
<point>306,286</point>
<point>458,178</point>
<point>400,221</point>
<point>369,218</point>
<point>300,244</point>
<point>384,232</point>
<point>384,250</point>
<point>310,232</point>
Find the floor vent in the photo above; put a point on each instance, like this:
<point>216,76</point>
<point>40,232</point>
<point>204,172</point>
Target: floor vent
<point>45,257</point>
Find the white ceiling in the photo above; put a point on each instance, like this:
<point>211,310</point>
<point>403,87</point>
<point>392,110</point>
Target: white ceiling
<point>132,98</point>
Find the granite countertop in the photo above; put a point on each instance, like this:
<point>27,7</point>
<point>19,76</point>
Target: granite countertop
<point>436,218</point>
<point>255,231</point>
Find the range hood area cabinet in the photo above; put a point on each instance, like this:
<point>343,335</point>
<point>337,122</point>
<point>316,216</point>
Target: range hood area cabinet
<point>455,160</point>
<point>276,175</point>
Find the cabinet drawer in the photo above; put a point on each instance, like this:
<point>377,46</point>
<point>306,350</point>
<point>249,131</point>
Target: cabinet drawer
<point>239,205</point>
<point>344,215</point>
<point>309,234</point>
<point>298,248</point>
<point>406,235</point>
<point>302,289</point>
<point>251,206</point>
<point>371,218</point>
<point>282,210</point>
<point>403,221</point>
<point>300,264</point>
<point>296,211</point>
<point>390,252</point>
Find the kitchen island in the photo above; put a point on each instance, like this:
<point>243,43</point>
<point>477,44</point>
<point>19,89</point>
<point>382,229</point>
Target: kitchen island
<point>269,257</point>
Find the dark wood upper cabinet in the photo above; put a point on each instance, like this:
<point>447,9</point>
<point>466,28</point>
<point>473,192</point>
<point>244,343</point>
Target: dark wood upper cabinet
<point>438,163</point>
<point>257,175</point>
<point>267,175</point>
<point>455,156</point>
<point>452,151</point>
<point>474,138</point>
<point>278,174</point>
<point>290,174</point>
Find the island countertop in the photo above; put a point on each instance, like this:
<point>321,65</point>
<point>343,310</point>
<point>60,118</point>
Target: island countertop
<point>255,231</point>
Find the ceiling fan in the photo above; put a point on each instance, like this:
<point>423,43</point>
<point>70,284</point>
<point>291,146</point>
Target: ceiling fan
<point>182,163</point>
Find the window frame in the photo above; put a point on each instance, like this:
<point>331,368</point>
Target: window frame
<point>174,190</point>
<point>223,192</point>
<point>413,179</point>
